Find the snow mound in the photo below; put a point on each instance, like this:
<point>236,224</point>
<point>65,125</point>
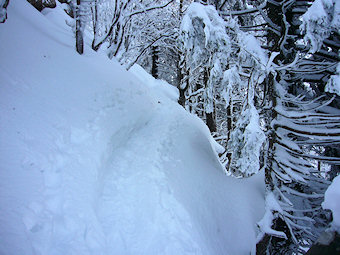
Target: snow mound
<point>95,160</point>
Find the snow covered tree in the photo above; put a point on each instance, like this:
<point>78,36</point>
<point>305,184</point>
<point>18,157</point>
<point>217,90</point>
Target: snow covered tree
<point>223,67</point>
<point>154,41</point>
<point>302,122</point>
<point>319,22</point>
<point>245,143</point>
<point>241,91</point>
<point>206,48</point>
<point>119,32</point>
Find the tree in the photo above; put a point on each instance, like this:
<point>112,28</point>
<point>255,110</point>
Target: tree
<point>119,31</point>
<point>80,11</point>
<point>205,46</point>
<point>303,121</point>
<point>245,143</point>
<point>154,46</point>
<point>79,27</point>
<point>300,118</point>
<point>223,70</point>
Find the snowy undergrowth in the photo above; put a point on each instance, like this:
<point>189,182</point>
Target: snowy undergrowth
<point>96,160</point>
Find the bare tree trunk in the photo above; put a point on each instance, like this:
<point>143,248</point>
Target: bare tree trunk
<point>230,127</point>
<point>209,117</point>
<point>210,120</point>
<point>181,73</point>
<point>79,30</point>
<point>154,67</point>
<point>262,247</point>
<point>94,10</point>
<point>182,90</point>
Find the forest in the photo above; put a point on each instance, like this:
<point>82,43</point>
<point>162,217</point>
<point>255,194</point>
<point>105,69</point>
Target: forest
<point>263,75</point>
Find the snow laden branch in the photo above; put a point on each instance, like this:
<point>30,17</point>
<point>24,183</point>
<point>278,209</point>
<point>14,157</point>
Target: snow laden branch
<point>222,84</point>
<point>246,142</point>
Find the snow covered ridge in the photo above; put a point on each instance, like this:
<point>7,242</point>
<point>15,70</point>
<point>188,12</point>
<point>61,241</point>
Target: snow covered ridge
<point>95,160</point>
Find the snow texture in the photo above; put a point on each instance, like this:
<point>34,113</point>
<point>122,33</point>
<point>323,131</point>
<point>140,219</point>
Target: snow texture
<point>332,202</point>
<point>98,160</point>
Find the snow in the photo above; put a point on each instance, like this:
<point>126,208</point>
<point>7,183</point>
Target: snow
<point>200,17</point>
<point>332,202</point>
<point>250,46</point>
<point>98,160</point>
<point>231,78</point>
<point>246,141</point>
<point>319,21</point>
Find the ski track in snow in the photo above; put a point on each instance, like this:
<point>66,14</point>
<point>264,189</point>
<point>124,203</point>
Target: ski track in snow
<point>149,218</point>
<point>133,202</point>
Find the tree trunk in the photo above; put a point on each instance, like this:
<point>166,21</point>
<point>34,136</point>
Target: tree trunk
<point>79,30</point>
<point>154,67</point>
<point>263,246</point>
<point>181,99</point>
<point>209,117</point>
<point>180,66</point>
<point>94,10</point>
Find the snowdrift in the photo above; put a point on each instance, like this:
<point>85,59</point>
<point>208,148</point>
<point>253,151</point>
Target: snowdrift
<point>98,160</point>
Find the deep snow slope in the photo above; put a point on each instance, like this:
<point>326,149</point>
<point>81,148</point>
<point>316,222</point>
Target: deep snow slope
<point>96,160</point>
